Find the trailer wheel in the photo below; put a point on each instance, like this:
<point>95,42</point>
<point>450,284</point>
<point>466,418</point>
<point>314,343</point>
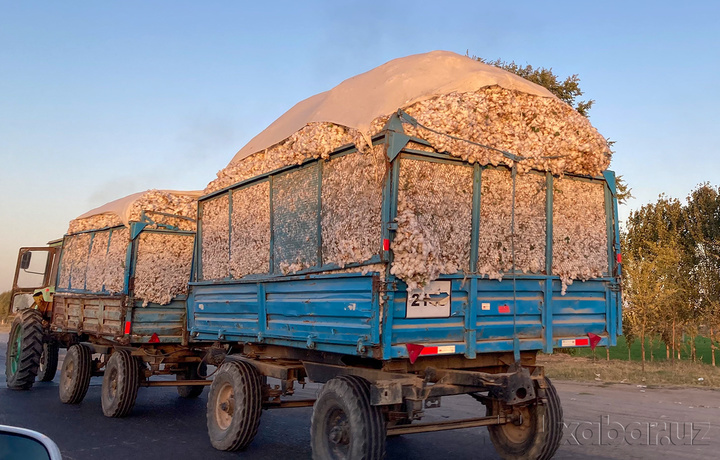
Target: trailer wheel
<point>344,423</point>
<point>120,384</point>
<point>75,374</point>
<point>234,406</point>
<point>192,372</point>
<point>539,434</point>
<point>24,350</point>
<point>48,361</point>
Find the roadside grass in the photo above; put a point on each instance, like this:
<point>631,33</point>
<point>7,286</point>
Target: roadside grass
<point>681,373</point>
<point>620,352</point>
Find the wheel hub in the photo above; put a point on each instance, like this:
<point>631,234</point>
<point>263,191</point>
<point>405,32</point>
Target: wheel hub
<point>520,428</point>
<point>113,383</point>
<point>337,430</point>
<point>225,407</point>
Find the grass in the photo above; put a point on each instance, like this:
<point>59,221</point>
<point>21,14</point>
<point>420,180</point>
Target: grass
<point>620,352</point>
<point>659,373</point>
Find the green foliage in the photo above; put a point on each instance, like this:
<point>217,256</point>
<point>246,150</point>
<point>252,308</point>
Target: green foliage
<point>567,90</point>
<point>624,192</point>
<point>4,305</point>
<point>659,352</point>
<point>671,278</point>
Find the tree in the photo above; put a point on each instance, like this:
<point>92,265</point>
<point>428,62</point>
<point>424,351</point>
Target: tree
<point>655,270</point>
<point>4,305</point>
<point>703,238</point>
<point>567,90</point>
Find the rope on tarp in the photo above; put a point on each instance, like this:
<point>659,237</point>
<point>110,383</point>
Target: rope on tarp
<point>406,118</point>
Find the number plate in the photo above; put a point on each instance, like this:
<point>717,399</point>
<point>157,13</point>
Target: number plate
<point>433,301</point>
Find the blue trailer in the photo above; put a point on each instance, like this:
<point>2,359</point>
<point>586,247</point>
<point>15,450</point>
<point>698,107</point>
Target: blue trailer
<point>386,354</point>
<point>108,326</point>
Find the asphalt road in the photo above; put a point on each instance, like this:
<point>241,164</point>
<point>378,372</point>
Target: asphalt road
<point>602,422</point>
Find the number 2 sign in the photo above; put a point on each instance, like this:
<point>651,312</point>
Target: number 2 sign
<point>432,301</point>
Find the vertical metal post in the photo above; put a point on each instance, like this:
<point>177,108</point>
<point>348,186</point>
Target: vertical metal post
<point>516,341</point>
<point>92,241</point>
<point>471,320</point>
<point>319,212</point>
<point>386,298</point>
<point>197,272</point>
<point>262,312</point>
<point>547,313</point>
<point>272,227</point>
<point>476,200</point>
<point>230,211</point>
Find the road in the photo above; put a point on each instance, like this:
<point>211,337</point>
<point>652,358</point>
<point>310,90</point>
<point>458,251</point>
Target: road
<point>602,422</point>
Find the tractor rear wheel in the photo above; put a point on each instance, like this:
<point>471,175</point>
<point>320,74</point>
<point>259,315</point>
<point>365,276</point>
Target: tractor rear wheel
<point>24,349</point>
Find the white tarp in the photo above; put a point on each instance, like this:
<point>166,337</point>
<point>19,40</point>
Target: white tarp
<point>357,101</point>
<point>122,207</point>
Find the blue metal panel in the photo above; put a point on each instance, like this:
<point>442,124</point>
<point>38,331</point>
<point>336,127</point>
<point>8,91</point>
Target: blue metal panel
<point>325,309</point>
<point>218,308</point>
<point>167,321</point>
<point>306,312</point>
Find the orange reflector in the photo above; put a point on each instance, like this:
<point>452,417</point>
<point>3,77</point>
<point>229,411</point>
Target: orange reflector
<point>154,338</point>
<point>127,327</point>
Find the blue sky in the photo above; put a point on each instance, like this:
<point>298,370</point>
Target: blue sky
<point>102,99</point>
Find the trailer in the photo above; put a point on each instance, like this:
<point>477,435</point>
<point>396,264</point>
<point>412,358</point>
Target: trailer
<point>95,303</point>
<point>386,353</point>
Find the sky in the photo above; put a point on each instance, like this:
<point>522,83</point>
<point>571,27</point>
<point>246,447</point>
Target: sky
<point>102,99</point>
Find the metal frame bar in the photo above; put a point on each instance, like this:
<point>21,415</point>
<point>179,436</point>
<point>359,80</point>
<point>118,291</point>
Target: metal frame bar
<point>547,313</point>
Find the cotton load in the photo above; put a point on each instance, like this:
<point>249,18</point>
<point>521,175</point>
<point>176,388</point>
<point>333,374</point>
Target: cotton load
<point>95,252</point>
<point>472,112</point>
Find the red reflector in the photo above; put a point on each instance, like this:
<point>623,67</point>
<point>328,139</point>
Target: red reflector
<point>47,289</point>
<point>594,340</point>
<point>619,258</point>
<point>154,338</point>
<point>127,327</point>
<point>429,351</point>
<point>582,342</point>
<point>504,309</point>
<point>414,351</point>
<point>386,244</point>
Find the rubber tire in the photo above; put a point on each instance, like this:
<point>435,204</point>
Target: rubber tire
<point>351,395</point>
<point>48,361</point>
<point>120,384</point>
<point>29,324</point>
<point>542,443</point>
<point>75,374</point>
<point>244,383</point>
<point>192,372</point>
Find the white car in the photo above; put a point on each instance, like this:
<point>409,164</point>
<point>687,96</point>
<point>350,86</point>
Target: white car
<point>23,444</point>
